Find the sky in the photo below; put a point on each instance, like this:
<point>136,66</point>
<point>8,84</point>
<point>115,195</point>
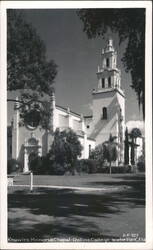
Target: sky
<point>77,58</point>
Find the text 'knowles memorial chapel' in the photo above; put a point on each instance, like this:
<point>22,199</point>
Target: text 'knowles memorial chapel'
<point>108,116</point>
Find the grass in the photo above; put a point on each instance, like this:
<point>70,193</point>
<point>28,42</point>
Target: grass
<point>85,180</point>
<point>70,215</point>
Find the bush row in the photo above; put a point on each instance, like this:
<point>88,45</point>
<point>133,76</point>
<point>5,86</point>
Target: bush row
<point>43,165</point>
<point>91,166</point>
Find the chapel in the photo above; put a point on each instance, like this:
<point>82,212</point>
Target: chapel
<point>108,116</point>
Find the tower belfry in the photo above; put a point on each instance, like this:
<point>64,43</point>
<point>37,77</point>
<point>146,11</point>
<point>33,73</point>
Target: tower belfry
<point>109,76</point>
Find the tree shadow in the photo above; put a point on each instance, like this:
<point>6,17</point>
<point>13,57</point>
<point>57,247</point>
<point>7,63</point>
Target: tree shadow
<point>50,213</point>
<point>56,205</point>
<point>57,231</point>
<point>133,192</point>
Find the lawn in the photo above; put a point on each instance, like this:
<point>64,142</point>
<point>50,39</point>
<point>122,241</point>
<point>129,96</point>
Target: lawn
<point>84,180</point>
<point>114,213</point>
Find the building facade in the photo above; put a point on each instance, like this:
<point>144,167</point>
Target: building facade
<point>108,117</point>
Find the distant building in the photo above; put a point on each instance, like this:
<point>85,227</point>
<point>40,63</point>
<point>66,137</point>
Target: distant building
<point>108,117</point>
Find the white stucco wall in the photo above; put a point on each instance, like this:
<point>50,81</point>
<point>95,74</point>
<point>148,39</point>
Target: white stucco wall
<point>85,142</point>
<point>62,119</point>
<point>103,127</point>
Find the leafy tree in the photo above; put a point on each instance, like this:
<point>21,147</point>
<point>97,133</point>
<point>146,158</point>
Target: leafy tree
<point>135,133</point>
<point>65,149</point>
<point>110,150</point>
<point>129,24</point>
<point>97,154</point>
<point>28,69</point>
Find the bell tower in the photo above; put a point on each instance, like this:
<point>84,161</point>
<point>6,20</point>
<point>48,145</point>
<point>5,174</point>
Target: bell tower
<point>109,76</point>
<point>108,100</point>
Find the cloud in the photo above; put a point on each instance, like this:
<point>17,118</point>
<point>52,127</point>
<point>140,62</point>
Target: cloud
<point>135,124</point>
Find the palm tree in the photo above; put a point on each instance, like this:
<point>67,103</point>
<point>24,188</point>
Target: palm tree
<point>110,151</point>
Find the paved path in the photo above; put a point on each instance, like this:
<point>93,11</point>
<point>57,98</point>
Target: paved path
<point>110,188</point>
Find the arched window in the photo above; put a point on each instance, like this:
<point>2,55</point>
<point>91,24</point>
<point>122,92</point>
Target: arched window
<point>32,119</point>
<point>107,62</point>
<point>103,83</point>
<point>109,82</point>
<point>104,113</point>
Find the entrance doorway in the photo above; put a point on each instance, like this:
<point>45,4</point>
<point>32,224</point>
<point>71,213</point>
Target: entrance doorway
<point>32,149</point>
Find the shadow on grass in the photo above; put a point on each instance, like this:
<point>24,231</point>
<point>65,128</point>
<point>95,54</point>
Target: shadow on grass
<point>55,231</point>
<point>135,196</point>
<point>48,213</point>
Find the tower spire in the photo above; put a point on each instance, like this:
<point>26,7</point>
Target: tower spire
<point>109,46</point>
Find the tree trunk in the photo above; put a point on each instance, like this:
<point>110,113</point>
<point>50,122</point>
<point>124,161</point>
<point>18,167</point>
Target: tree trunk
<point>110,168</point>
<point>72,168</point>
<point>126,153</point>
<point>132,153</point>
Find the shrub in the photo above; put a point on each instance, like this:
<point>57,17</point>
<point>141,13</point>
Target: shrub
<point>44,166</point>
<point>118,170</point>
<point>81,167</point>
<point>128,169</point>
<point>41,165</point>
<point>58,169</point>
<point>141,163</point>
<point>36,165</point>
<point>13,166</point>
<point>87,166</point>
<point>115,170</point>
